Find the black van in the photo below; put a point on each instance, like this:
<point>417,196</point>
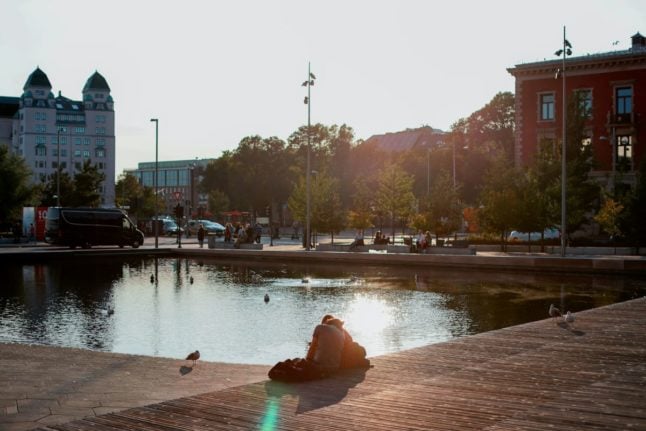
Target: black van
<point>85,227</point>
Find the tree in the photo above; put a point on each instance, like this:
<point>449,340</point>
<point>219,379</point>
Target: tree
<point>138,199</point>
<point>326,212</point>
<point>360,217</point>
<point>444,210</point>
<point>394,196</point>
<point>51,187</point>
<point>633,216</point>
<point>15,190</point>
<point>608,216</point>
<point>87,183</point>
<point>499,199</point>
<point>218,202</point>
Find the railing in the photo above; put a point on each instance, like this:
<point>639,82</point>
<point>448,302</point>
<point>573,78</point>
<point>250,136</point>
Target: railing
<point>626,118</point>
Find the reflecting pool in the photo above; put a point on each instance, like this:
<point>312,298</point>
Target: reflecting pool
<point>171,306</point>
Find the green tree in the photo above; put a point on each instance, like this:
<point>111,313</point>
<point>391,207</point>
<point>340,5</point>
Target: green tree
<point>15,190</point>
<point>394,196</point>
<point>444,209</point>
<point>87,185</point>
<point>608,216</point>
<point>634,214</point>
<point>326,212</point>
<point>499,199</point>
<point>137,199</point>
<point>218,203</point>
<point>51,186</point>
<point>360,217</point>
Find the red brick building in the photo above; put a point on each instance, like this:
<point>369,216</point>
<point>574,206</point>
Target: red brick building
<point>613,90</point>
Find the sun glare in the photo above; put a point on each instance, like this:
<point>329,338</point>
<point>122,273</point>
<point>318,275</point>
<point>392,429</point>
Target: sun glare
<point>368,315</point>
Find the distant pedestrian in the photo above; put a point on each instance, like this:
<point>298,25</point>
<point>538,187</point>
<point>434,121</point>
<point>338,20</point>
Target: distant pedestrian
<point>200,235</point>
<point>32,233</point>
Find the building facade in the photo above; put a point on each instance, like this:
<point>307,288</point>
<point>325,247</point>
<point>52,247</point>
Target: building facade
<point>611,88</point>
<point>47,130</point>
<point>177,183</point>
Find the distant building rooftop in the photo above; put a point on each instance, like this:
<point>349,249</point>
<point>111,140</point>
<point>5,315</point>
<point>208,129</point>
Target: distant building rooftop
<point>406,140</point>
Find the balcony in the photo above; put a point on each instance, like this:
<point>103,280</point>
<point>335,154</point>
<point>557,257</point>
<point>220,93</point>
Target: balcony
<point>622,119</point>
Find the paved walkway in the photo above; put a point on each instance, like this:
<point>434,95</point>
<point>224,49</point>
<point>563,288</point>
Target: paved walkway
<point>49,385</point>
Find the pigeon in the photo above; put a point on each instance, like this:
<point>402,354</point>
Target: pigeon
<point>191,279</point>
<point>554,312</point>
<point>569,318</point>
<point>193,356</point>
<point>152,278</point>
<point>266,298</point>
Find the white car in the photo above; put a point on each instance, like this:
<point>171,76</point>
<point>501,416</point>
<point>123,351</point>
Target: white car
<point>549,233</point>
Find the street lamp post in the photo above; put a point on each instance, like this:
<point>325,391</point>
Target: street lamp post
<point>453,165</point>
<point>156,222</point>
<point>308,83</point>
<point>58,167</point>
<point>565,51</point>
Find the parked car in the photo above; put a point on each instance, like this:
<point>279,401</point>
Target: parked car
<point>549,233</point>
<point>210,226</point>
<point>171,228</point>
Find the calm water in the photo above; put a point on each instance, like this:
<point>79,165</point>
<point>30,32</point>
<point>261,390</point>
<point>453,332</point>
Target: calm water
<point>219,309</point>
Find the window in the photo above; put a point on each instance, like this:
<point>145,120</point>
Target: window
<point>101,165</point>
<point>624,100</point>
<point>86,154</point>
<point>63,165</point>
<point>63,140</point>
<point>77,141</point>
<point>41,140</point>
<point>86,141</point>
<point>79,130</point>
<point>77,153</point>
<point>41,151</point>
<point>100,118</point>
<point>547,106</point>
<point>100,142</point>
<point>100,152</point>
<point>54,165</point>
<point>624,155</point>
<point>100,130</point>
<point>39,116</point>
<point>585,102</point>
<point>63,153</point>
<point>55,152</point>
<point>77,166</point>
<point>40,128</point>
<point>62,129</point>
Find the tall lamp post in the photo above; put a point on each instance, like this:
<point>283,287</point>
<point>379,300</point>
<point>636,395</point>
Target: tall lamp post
<point>58,167</point>
<point>156,222</point>
<point>308,84</point>
<point>565,51</point>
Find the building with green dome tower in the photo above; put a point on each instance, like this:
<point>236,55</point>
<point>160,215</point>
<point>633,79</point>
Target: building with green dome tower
<point>32,124</point>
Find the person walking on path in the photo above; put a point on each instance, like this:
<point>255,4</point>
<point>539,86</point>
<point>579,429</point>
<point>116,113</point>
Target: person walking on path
<point>200,235</point>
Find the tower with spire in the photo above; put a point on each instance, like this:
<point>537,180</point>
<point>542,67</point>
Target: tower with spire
<point>85,129</point>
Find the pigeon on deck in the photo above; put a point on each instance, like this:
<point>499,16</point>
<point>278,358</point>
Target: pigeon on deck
<point>569,318</point>
<point>193,356</point>
<point>554,312</point>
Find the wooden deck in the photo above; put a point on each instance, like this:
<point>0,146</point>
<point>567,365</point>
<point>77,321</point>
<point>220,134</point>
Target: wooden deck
<point>536,376</point>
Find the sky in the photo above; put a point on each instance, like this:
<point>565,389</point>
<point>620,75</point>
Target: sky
<point>214,72</point>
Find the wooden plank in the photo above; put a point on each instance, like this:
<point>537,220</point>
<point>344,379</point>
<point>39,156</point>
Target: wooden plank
<point>529,377</point>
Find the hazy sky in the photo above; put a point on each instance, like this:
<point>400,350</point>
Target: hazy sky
<point>214,72</point>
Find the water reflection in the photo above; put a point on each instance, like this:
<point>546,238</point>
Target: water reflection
<point>168,307</point>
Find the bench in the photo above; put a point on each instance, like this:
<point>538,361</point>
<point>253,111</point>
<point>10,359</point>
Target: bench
<point>231,245</point>
<point>346,247</point>
<point>468,250</point>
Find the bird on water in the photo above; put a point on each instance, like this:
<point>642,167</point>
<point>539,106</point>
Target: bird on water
<point>266,298</point>
<point>554,312</point>
<point>193,356</point>
<point>152,278</point>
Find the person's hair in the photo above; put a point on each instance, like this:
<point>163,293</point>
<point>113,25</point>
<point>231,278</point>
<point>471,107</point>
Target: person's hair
<point>326,318</point>
<point>335,322</point>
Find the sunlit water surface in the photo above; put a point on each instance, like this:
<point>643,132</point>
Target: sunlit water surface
<point>169,307</point>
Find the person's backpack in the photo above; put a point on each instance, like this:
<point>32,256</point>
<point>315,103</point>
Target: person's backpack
<point>354,356</point>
